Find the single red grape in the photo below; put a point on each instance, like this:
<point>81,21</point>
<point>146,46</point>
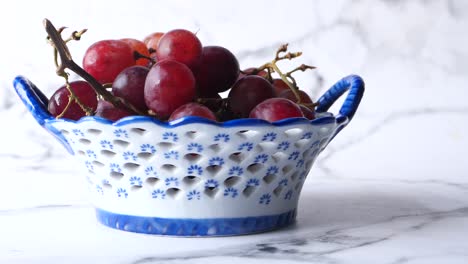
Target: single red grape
<point>180,45</point>
<point>308,113</point>
<point>139,47</point>
<point>218,70</point>
<point>279,86</point>
<point>105,59</point>
<point>247,93</point>
<point>289,94</point>
<point>213,102</point>
<point>250,71</point>
<point>192,109</point>
<point>130,85</point>
<point>169,84</point>
<point>59,100</point>
<point>275,109</point>
<point>109,111</point>
<point>151,41</point>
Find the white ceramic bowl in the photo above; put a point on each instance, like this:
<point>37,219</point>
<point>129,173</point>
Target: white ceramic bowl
<point>193,176</point>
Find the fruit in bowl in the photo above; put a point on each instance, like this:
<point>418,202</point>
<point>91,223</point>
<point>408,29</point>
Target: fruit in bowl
<point>164,153</point>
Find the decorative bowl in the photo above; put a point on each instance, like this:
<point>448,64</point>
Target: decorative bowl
<point>193,176</point>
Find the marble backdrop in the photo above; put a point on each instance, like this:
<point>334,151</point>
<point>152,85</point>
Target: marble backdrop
<point>391,188</point>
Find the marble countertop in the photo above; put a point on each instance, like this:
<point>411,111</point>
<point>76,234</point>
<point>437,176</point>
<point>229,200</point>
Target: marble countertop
<point>391,188</point>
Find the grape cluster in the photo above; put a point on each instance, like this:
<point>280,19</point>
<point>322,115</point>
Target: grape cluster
<point>172,75</point>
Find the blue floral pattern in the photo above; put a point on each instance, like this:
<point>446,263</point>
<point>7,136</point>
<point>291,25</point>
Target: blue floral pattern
<point>265,199</point>
<point>121,133</point>
<point>121,192</point>
<point>216,161</point>
<point>77,132</point>
<point>307,135</point>
<point>300,163</point>
<point>106,144</point>
<point>89,166</point>
<point>271,136</point>
<point>231,192</point>
<point>150,171</point>
<point>262,158</point>
<point>172,181</point>
<point>128,155</point>
<point>158,194</point>
<point>193,195</point>
<point>246,145</point>
<point>99,189</point>
<point>236,171</point>
<point>172,155</point>
<point>272,170</point>
<point>284,145</point>
<point>294,155</point>
<point>211,184</point>
<point>252,182</point>
<point>136,181</point>
<point>222,137</point>
<point>91,154</point>
<point>148,148</point>
<point>114,167</point>
<point>171,136</point>
<point>195,147</point>
<point>195,169</point>
<point>283,182</point>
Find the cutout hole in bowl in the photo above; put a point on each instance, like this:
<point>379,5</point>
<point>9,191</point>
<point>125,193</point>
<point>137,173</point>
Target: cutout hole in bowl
<point>173,193</point>
<point>121,143</point>
<point>191,180</point>
<point>107,153</point>
<point>213,170</point>
<point>192,157</point>
<point>152,181</point>
<point>248,190</point>
<point>94,132</point>
<point>231,181</point>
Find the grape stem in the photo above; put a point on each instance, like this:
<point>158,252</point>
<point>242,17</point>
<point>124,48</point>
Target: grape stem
<point>66,62</point>
<point>286,77</point>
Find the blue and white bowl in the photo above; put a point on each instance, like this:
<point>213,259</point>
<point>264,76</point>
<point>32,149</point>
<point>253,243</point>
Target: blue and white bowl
<point>193,176</point>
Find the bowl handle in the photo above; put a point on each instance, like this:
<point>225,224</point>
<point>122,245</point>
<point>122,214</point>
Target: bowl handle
<point>34,100</point>
<point>36,103</point>
<point>355,85</point>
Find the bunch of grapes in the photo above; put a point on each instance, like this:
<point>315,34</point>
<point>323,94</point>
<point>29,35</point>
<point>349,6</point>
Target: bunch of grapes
<point>172,75</point>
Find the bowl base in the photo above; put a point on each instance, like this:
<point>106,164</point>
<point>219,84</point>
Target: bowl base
<point>190,227</point>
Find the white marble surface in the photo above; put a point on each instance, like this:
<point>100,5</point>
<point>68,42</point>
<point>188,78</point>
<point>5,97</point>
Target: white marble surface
<point>391,188</point>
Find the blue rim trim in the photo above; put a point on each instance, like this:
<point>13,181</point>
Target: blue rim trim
<point>36,103</point>
<point>195,227</point>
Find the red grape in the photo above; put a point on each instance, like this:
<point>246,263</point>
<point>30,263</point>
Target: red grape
<point>308,113</point>
<point>59,100</point>
<point>105,59</point>
<point>247,93</point>
<point>151,41</point>
<point>251,70</point>
<point>192,109</point>
<point>109,111</point>
<point>275,109</point>
<point>279,86</point>
<point>218,70</point>
<point>180,45</point>
<point>139,47</point>
<point>169,84</point>
<point>213,102</point>
<point>130,85</point>
<point>289,94</point>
